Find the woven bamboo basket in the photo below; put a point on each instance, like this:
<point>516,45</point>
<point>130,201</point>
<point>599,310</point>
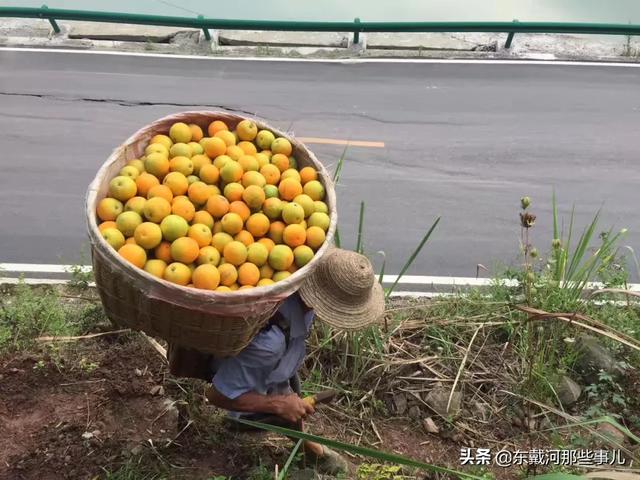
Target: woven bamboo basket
<point>221,324</point>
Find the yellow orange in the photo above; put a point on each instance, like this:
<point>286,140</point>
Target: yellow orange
<point>227,137</point>
<point>177,183</point>
<point>155,267</point>
<point>183,208</point>
<point>156,209</point>
<point>307,174</point>
<point>148,235</point>
<point>178,273</point>
<point>271,173</point>
<point>223,289</point>
<point>289,189</point>
<point>231,172</point>
<point>267,242</point>
<point>109,209</point>
<point>196,132</point>
<point>206,277</point>
<point>108,224</point>
<point>294,235</point>
<point>258,224</point>
<point>272,208</point>
<point>204,217</point>
<point>248,148</point>
<point>321,207</point>
<point>241,209</point>
<point>235,253</point>
<point>217,206</point>
<point>144,182</point>
<point>127,222</point>
<point>262,159</point>
<point>181,150</point>
<point>248,274</point>
<point>228,274</point>
<point>201,234</point>
<point>198,161</point>
<point>222,160</point>
<point>220,240</point>
<point>244,237</point>
<point>264,139</point>
<point>161,191</point>
<point>156,164</point>
<point>233,191</point>
<point>280,161</point>
<point>134,254</point>
<point>253,196</point>
<point>163,139</point>
<point>183,165</point>
<point>290,173</point>
<point>163,252</point>
<point>306,203</point>
<point>247,130</point>
<point>185,250</point>
<point>209,174</point>
<point>137,163</point>
<point>217,227</point>
<point>234,152</point>
<point>302,255</point>
<point>135,204</point>
<point>281,257</point>
<point>213,146</point>
<point>314,189</point>
<point>129,171</point>
<point>180,132</point>
<point>232,223</point>
<point>199,193</point>
<point>279,276</point>
<point>292,213</point>
<point>266,271</point>
<point>114,237</point>
<point>130,240</point>
<point>265,282</point>
<point>281,145</point>
<point>248,163</point>
<point>257,254</point>
<point>253,178</point>
<point>315,237</point>
<point>122,188</point>
<point>216,126</point>
<point>275,231</point>
<point>209,255</point>
<point>173,227</point>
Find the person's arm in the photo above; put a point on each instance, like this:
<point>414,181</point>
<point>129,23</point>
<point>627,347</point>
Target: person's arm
<point>289,407</point>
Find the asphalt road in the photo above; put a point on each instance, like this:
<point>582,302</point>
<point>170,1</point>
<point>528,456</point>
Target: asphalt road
<point>462,141</point>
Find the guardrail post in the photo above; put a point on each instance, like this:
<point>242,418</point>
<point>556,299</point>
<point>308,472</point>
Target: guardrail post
<point>52,21</point>
<point>205,30</point>
<point>507,44</point>
<point>356,33</point>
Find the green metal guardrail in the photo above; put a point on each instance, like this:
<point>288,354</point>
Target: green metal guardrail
<point>357,26</point>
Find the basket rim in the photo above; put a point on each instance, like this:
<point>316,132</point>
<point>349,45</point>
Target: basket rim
<point>282,288</point>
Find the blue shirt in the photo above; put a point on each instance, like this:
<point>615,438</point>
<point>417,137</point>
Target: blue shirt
<point>267,363</point>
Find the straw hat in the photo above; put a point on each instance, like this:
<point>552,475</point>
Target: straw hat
<point>343,291</point>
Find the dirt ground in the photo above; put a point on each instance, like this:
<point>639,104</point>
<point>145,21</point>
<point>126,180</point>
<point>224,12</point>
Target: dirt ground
<point>93,407</point>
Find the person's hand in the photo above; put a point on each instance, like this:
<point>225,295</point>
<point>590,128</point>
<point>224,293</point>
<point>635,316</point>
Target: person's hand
<point>292,408</point>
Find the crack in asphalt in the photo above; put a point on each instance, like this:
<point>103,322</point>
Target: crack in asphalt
<point>124,103</point>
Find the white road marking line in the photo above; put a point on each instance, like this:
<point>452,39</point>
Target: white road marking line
<point>386,279</point>
<point>328,60</point>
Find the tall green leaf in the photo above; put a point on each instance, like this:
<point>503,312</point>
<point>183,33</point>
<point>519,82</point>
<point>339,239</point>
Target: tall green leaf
<point>359,241</point>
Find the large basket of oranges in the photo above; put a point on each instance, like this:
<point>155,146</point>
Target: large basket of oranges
<point>202,223</point>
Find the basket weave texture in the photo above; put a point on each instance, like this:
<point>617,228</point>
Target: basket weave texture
<point>221,324</point>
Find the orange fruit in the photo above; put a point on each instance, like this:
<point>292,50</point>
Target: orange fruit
<point>253,196</point>
<point>289,189</point>
<point>290,173</point>
<point>131,240</point>
<point>302,255</point>
<point>223,289</point>
<point>257,254</point>
<point>294,235</point>
<point>216,126</point>
<point>279,276</point>
<point>275,231</point>
<point>130,171</point>
<point>196,132</point>
<point>265,282</point>
<point>201,234</point>
<point>134,254</point>
<point>281,257</point>
<point>220,240</point>
<point>258,224</point>
<point>321,207</point>
<point>253,178</point>
<point>281,161</point>
<point>199,161</point>
<point>144,182</point>
<point>262,159</point>
<point>114,237</point>
<point>156,209</point>
<point>108,224</point>
<point>156,164</point>
<point>306,203</point>
<point>161,191</point>
<point>199,193</point>
<point>122,188</point>
<point>209,174</point>
<point>307,174</point>
<point>232,223</point>
<point>109,209</point>
<point>183,208</point>
<point>272,208</point>
<point>241,209</point>
<point>155,267</point>
<point>163,252</point>
<point>235,253</point>
<point>247,130</point>
<point>177,183</point>
<point>281,145</point>
<point>271,191</point>
<point>180,132</point>
<point>267,242</point>
<point>196,149</point>
<point>314,189</point>
<point>217,206</point>
<point>209,255</point>
<point>315,237</point>
<point>248,274</point>
<point>181,150</point>
<point>162,139</point>
<point>227,137</point>
<point>233,191</point>
<point>248,148</point>
<point>135,204</point>
<point>206,277</point>
<point>244,237</point>
<point>173,227</point>
<point>248,163</point>
<point>185,250</point>
<point>177,273</point>
<point>271,174</point>
<point>266,271</point>
<point>204,217</point>
<point>292,213</point>
<point>234,152</point>
<point>213,146</point>
<point>319,219</point>
<point>183,165</point>
<point>228,274</point>
<point>231,172</point>
<point>267,152</point>
<point>264,139</point>
<point>148,235</point>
